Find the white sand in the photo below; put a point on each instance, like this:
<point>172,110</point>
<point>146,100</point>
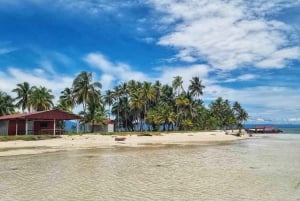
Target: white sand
<point>87,141</point>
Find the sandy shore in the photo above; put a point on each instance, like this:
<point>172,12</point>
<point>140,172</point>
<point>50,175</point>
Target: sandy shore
<point>87,141</point>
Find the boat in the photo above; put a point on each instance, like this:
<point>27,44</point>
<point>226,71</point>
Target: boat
<point>264,130</point>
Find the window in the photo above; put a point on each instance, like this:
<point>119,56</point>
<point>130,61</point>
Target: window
<point>43,124</point>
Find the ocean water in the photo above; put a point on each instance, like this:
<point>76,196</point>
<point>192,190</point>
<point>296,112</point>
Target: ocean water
<point>262,168</point>
<point>286,128</point>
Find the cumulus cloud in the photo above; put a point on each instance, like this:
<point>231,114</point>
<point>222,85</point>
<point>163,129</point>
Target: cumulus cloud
<point>113,72</point>
<point>268,102</point>
<point>245,77</point>
<point>36,77</point>
<point>228,34</point>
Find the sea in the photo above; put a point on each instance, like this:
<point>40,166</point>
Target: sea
<point>261,168</point>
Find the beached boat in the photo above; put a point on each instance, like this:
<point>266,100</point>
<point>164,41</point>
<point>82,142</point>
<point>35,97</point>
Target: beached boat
<point>264,129</point>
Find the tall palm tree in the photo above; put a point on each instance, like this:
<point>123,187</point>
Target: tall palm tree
<point>108,99</point>
<point>67,99</point>
<point>182,103</point>
<point>84,89</point>
<point>196,87</point>
<point>116,95</point>
<point>40,99</point>
<point>177,84</point>
<point>95,110</point>
<point>137,105</point>
<point>23,91</point>
<point>6,104</point>
<point>240,114</point>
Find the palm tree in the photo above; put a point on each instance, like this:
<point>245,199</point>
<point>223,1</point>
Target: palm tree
<point>196,87</point>
<point>182,104</point>
<point>137,104</point>
<point>6,104</point>
<point>240,114</point>
<point>177,84</point>
<point>66,99</point>
<point>84,89</point>
<point>116,95</point>
<point>23,91</point>
<point>108,99</point>
<point>95,110</point>
<point>40,99</point>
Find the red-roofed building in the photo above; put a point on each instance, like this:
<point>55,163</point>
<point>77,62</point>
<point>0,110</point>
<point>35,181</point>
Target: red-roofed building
<point>42,122</point>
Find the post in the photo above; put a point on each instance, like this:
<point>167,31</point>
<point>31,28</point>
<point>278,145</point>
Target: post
<point>54,127</point>
<point>16,127</point>
<point>77,126</point>
<point>26,126</point>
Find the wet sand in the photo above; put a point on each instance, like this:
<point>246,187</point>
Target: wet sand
<point>68,142</point>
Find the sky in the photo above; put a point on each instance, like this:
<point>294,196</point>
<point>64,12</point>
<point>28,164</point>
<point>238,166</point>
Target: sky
<point>245,51</point>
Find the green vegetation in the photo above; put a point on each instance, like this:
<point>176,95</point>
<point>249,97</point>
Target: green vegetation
<point>27,137</point>
<point>135,106</point>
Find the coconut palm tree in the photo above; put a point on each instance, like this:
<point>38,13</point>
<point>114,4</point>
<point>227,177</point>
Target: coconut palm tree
<point>6,104</point>
<point>182,104</point>
<point>66,99</point>
<point>108,99</point>
<point>137,104</point>
<point>240,114</point>
<point>196,87</point>
<point>84,89</point>
<point>177,85</point>
<point>95,110</point>
<point>40,99</point>
<point>23,91</point>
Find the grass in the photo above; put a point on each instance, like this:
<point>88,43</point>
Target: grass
<point>27,137</point>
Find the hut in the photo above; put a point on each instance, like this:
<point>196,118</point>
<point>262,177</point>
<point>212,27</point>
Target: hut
<point>41,122</point>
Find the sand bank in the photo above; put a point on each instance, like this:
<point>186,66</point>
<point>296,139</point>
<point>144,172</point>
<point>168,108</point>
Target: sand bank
<point>87,141</point>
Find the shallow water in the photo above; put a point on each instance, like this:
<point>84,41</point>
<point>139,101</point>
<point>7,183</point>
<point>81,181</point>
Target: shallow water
<point>261,168</point>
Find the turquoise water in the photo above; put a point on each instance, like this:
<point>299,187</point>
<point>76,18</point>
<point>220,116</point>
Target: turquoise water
<point>262,168</point>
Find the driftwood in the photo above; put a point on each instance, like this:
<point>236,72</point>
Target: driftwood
<point>144,134</point>
<point>120,138</point>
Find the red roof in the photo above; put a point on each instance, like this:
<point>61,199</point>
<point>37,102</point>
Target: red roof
<point>43,115</point>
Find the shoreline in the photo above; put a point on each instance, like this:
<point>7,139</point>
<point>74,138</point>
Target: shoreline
<point>90,141</point>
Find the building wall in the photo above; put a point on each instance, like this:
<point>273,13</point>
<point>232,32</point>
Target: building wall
<point>34,127</point>
<point>3,127</point>
<point>43,125</point>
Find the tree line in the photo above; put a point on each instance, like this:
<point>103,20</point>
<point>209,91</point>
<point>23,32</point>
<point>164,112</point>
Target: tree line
<point>134,105</point>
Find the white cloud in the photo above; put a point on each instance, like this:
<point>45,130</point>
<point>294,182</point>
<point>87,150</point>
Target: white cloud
<point>113,72</point>
<point>6,50</point>
<point>228,34</point>
<point>245,77</point>
<point>167,74</point>
<point>276,103</point>
<point>36,77</point>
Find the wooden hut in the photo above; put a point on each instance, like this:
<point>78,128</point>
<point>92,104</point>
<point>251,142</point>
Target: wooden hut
<point>41,122</point>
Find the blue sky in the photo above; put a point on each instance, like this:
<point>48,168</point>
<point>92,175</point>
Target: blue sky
<point>246,51</point>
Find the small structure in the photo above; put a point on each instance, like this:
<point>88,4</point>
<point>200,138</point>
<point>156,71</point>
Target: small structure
<point>99,127</point>
<point>264,129</point>
<point>41,122</point>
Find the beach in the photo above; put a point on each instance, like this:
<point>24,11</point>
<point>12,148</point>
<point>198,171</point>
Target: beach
<point>89,141</point>
<point>261,168</point>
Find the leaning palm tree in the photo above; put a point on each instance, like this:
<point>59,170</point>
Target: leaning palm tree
<point>84,89</point>
<point>23,91</point>
<point>6,104</point>
<point>41,99</point>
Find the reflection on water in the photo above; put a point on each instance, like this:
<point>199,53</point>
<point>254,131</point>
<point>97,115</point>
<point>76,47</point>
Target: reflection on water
<point>255,169</point>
